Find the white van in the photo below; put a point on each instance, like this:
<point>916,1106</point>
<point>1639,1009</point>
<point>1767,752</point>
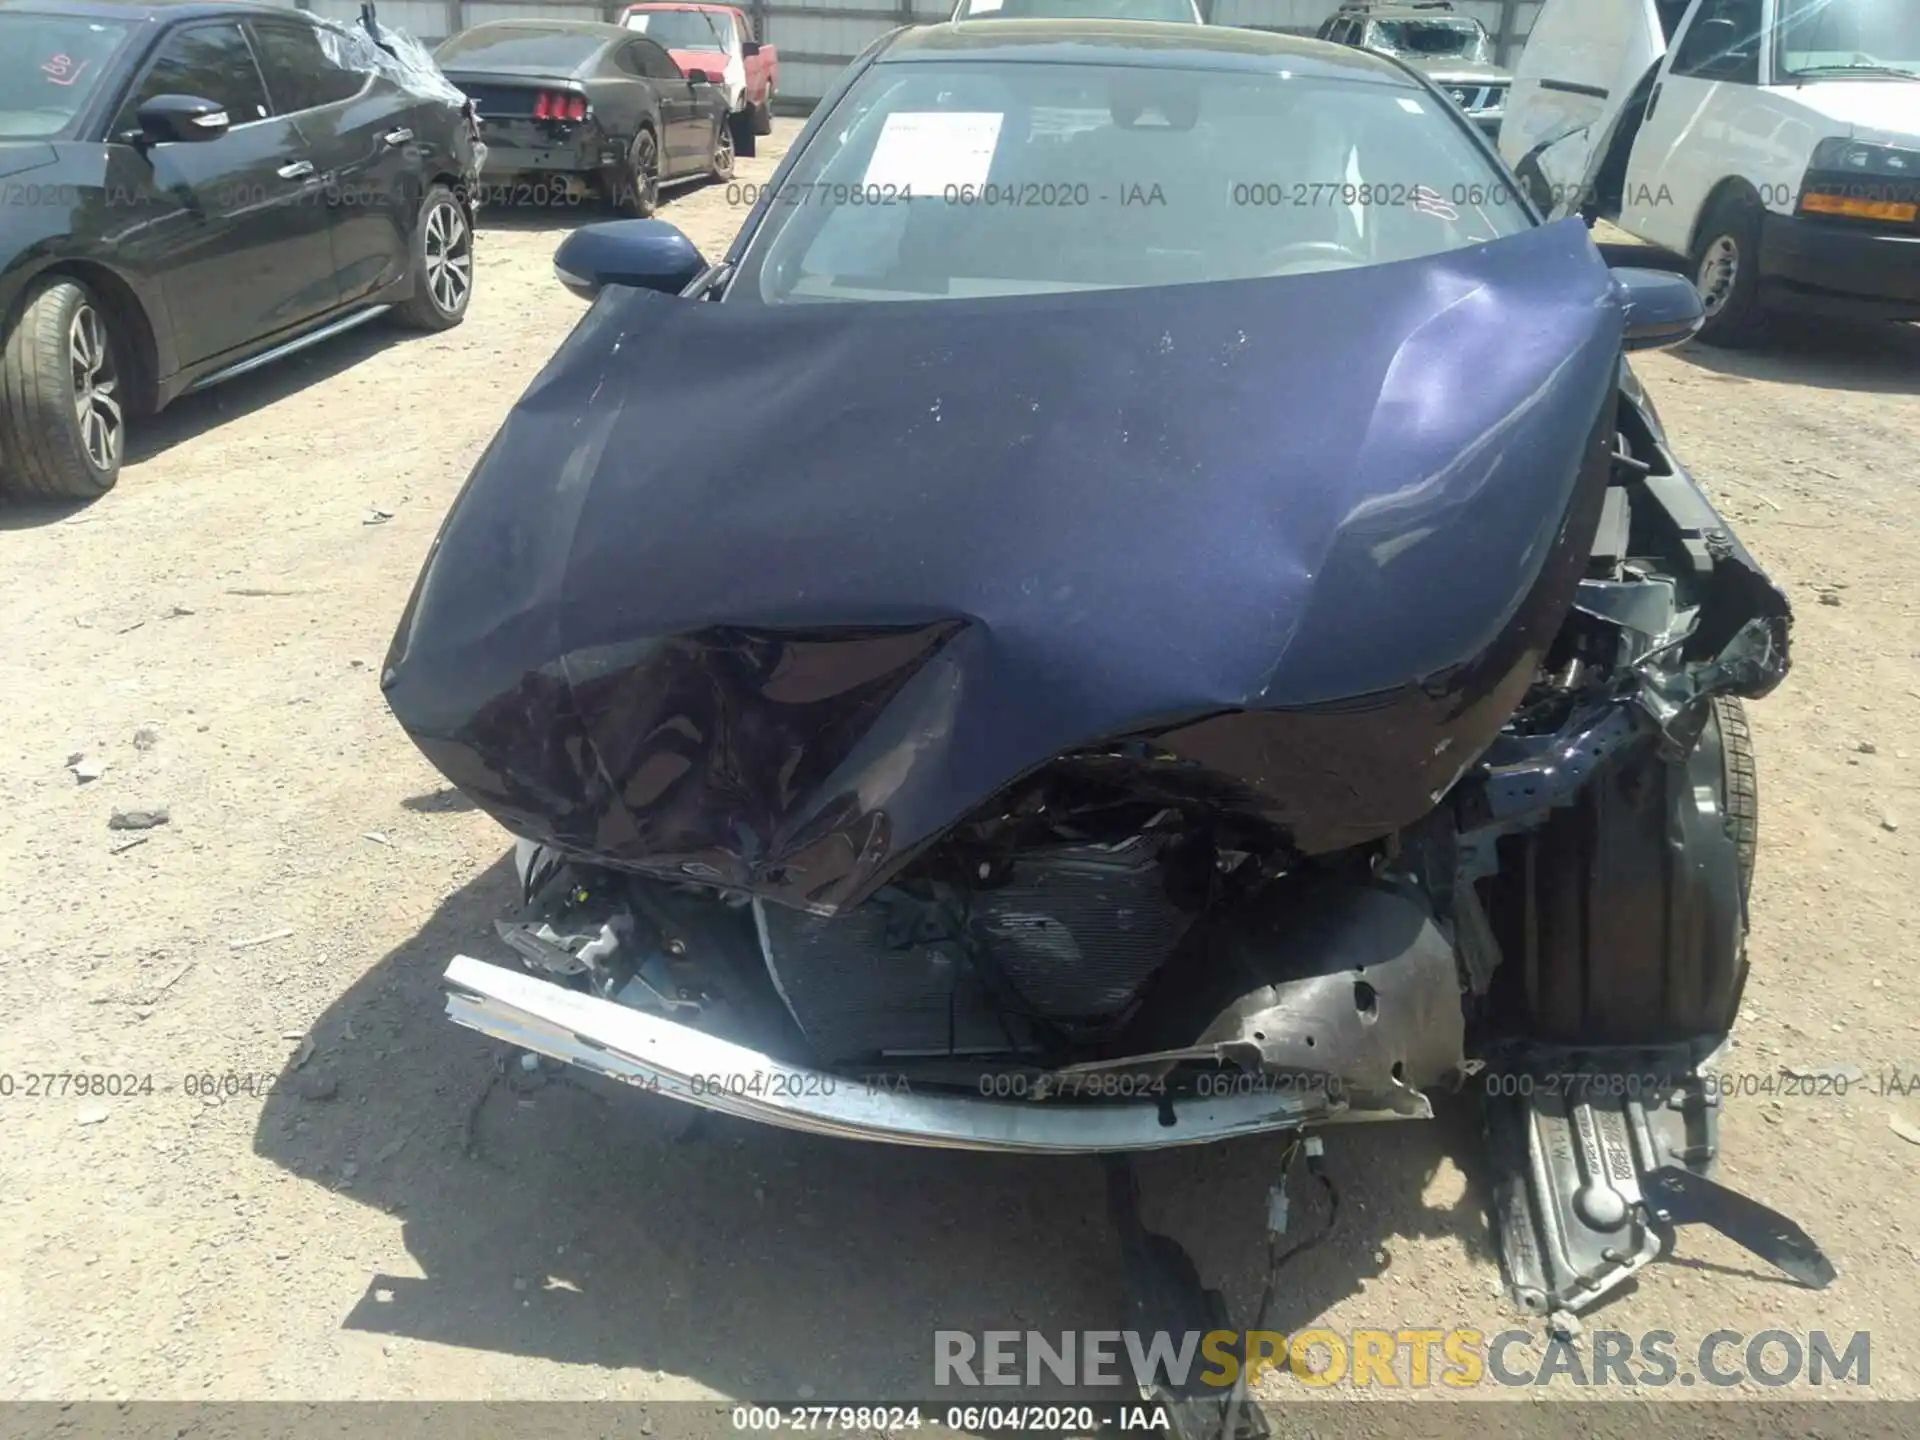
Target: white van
<point>1775,143</point>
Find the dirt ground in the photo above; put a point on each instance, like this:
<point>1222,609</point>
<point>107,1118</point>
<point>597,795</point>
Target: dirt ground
<point>336,1239</point>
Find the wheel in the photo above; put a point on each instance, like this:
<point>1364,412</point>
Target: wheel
<point>763,114</point>
<point>746,138</point>
<point>1622,919</point>
<point>1726,267</point>
<point>636,184</point>
<point>442,263</point>
<point>721,165</point>
<point>62,416</point>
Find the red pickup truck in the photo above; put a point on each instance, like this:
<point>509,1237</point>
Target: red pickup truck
<point>718,39</point>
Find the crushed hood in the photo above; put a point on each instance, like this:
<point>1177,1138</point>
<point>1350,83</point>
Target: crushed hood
<point>770,596</point>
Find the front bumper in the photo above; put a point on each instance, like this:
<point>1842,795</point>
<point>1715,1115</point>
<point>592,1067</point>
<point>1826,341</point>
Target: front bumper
<point>1838,267</point>
<point>668,1058</point>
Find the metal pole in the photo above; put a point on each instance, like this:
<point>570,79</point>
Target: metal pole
<point>1509,26</point>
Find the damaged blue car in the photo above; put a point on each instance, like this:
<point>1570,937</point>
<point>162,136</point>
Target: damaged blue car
<point>1139,603</point>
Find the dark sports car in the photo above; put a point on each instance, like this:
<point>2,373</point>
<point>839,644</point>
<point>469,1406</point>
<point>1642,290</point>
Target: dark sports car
<point>572,105</point>
<point>1197,631</point>
<point>189,190</point>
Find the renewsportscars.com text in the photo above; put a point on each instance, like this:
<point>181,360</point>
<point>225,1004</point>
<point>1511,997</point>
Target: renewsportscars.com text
<point>1400,1359</point>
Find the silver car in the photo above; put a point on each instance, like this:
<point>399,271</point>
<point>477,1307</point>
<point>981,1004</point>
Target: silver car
<point>1454,51</point>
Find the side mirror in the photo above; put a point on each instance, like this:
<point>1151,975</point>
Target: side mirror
<point>640,254</point>
<point>1663,309</point>
<point>701,77</point>
<point>749,48</point>
<point>173,119</point>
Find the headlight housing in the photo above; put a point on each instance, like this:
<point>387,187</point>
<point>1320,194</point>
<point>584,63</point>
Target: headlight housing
<point>1852,179</point>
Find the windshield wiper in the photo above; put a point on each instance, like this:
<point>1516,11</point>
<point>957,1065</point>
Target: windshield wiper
<point>1857,70</point>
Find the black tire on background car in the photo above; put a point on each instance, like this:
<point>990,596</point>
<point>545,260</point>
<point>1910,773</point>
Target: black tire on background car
<point>1622,920</point>
<point>746,135</point>
<point>721,165</point>
<point>634,186</point>
<point>1726,267</point>
<point>62,400</point>
<point>763,115</point>
<point>442,263</point>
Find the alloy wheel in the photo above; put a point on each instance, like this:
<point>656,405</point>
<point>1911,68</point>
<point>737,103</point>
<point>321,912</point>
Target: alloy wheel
<point>1719,272</point>
<point>646,171</point>
<point>723,150</point>
<point>449,244</point>
<point>96,388</point>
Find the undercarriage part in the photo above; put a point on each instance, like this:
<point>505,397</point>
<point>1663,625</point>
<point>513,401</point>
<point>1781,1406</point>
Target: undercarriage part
<point>1593,1172</point>
<point>1319,976</point>
<point>1164,1294</point>
<point>681,1062</point>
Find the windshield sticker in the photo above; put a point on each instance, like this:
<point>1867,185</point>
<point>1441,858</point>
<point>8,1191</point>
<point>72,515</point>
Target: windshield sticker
<point>1412,107</point>
<point>982,7</point>
<point>60,69</point>
<point>1429,201</point>
<point>930,152</point>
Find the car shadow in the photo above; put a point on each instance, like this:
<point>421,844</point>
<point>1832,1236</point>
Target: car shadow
<point>577,1221</point>
<point>32,514</point>
<point>1873,357</point>
<point>241,396</point>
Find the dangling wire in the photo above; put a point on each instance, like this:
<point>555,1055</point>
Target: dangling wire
<point>1277,1258</point>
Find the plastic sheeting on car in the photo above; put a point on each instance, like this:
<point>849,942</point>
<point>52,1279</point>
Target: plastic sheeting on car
<point>396,55</point>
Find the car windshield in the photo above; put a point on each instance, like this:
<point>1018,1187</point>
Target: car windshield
<point>50,66</point>
<point>1432,40</point>
<point>518,45</point>
<point>684,29</point>
<point>1177,11</point>
<point>1846,35</point>
<point>992,178</point>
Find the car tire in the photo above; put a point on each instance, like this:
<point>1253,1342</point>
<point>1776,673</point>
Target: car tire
<point>1622,919</point>
<point>746,137</point>
<point>720,166</point>
<point>63,396</point>
<point>442,263</point>
<point>635,185</point>
<point>1726,268</point>
<point>763,115</point>
<point>1741,781</point>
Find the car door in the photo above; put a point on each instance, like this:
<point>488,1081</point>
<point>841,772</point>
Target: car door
<point>683,116</point>
<point>358,127</point>
<point>1692,135</point>
<point>1571,85</point>
<point>242,250</point>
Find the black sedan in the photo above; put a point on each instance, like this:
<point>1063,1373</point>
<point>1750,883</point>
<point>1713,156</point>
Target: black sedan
<point>191,190</point>
<point>567,106</point>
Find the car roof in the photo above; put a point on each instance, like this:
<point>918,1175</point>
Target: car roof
<point>1407,12</point>
<point>1152,44</point>
<point>148,10</point>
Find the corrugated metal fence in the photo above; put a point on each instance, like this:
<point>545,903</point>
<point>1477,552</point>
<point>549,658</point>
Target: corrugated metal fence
<point>816,38</point>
